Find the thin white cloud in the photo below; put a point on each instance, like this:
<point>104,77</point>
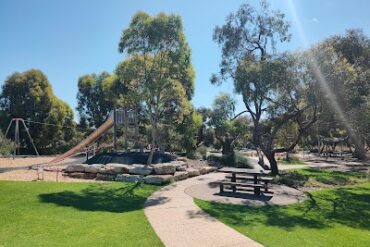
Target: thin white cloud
<point>315,19</point>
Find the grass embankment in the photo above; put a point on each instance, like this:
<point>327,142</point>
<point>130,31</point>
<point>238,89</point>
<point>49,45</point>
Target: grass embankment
<point>74,214</point>
<point>331,217</point>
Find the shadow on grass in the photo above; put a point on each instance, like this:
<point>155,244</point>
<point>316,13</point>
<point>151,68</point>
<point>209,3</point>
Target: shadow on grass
<point>100,197</point>
<point>347,206</point>
<point>298,178</point>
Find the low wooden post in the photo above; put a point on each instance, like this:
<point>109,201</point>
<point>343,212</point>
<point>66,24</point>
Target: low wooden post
<point>233,179</point>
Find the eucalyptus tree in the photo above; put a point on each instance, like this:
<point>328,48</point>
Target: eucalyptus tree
<point>344,63</point>
<point>94,104</point>
<point>157,69</point>
<point>227,129</point>
<point>29,95</point>
<point>250,36</point>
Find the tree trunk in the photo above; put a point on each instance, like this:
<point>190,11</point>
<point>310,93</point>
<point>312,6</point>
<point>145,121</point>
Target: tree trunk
<point>360,151</point>
<point>151,154</point>
<point>273,163</point>
<point>154,141</point>
<point>257,144</point>
<point>228,146</point>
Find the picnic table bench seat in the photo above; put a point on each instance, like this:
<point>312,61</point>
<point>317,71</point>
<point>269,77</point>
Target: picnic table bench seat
<point>245,179</point>
<point>251,178</point>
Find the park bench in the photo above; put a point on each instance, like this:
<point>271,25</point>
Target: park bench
<point>245,180</point>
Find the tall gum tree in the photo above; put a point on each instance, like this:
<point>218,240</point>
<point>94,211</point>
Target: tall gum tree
<point>158,69</point>
<point>249,34</point>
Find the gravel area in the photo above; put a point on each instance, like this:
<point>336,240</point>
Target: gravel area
<point>31,175</point>
<point>197,163</point>
<point>282,195</point>
<point>18,169</point>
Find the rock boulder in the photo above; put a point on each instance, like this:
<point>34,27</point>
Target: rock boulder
<point>129,178</point>
<point>82,175</point>
<point>136,169</point>
<point>206,169</point>
<point>105,177</point>
<point>157,179</point>
<point>93,168</point>
<point>118,168</point>
<point>76,168</point>
<point>164,169</point>
<point>192,172</point>
<point>180,176</point>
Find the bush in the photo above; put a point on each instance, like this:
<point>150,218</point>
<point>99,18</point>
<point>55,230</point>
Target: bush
<point>194,155</point>
<point>202,150</point>
<point>5,145</point>
<point>234,160</point>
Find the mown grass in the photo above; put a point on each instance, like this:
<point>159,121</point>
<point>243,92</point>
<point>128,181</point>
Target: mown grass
<point>335,217</point>
<point>314,177</point>
<point>74,214</point>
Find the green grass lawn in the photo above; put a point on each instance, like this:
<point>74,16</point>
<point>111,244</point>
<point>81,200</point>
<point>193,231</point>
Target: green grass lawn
<point>315,177</point>
<point>74,214</point>
<point>335,217</point>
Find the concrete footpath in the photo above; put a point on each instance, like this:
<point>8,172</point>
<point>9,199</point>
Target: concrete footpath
<point>179,222</point>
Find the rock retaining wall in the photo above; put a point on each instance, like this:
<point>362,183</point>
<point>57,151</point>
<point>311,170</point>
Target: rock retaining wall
<point>155,174</point>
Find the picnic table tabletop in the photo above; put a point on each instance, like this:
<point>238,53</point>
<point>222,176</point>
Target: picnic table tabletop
<point>243,171</point>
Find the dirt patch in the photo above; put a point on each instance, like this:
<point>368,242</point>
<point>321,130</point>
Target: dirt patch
<point>31,175</point>
<point>24,161</point>
<point>197,163</point>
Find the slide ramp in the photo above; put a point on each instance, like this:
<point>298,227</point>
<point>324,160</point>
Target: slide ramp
<point>91,138</point>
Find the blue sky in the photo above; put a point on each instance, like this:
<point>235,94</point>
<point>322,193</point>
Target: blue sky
<point>67,39</point>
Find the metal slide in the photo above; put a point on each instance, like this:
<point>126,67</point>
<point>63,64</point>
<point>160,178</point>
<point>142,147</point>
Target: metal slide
<point>91,138</point>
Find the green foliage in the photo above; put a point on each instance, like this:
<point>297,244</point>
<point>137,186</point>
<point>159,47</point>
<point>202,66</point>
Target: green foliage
<point>203,152</point>
<point>83,214</point>
<point>227,130</point>
<point>223,109</point>
<point>5,145</point>
<point>188,130</point>
<point>338,217</point>
<point>209,139</point>
<point>248,32</point>
<point>29,95</point>
<point>157,70</point>
<point>345,91</point>
<point>268,82</point>
<point>236,159</point>
<point>194,155</point>
<point>94,98</point>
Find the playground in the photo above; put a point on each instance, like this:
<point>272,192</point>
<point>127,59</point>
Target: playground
<point>162,123</point>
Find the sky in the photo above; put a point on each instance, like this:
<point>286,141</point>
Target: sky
<point>66,39</point>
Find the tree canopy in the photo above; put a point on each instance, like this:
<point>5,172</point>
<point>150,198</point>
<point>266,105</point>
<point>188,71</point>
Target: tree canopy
<point>29,95</point>
<point>94,103</point>
<point>157,69</point>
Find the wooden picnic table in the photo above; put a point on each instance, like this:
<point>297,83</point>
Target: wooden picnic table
<point>257,176</point>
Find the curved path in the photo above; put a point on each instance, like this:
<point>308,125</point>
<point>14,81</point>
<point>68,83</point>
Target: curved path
<point>179,222</point>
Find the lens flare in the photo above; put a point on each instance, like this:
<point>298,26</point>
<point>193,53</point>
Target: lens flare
<point>319,74</point>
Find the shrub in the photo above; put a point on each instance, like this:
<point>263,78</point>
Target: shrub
<point>235,160</point>
<point>202,150</point>
<point>5,145</point>
<point>194,155</point>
